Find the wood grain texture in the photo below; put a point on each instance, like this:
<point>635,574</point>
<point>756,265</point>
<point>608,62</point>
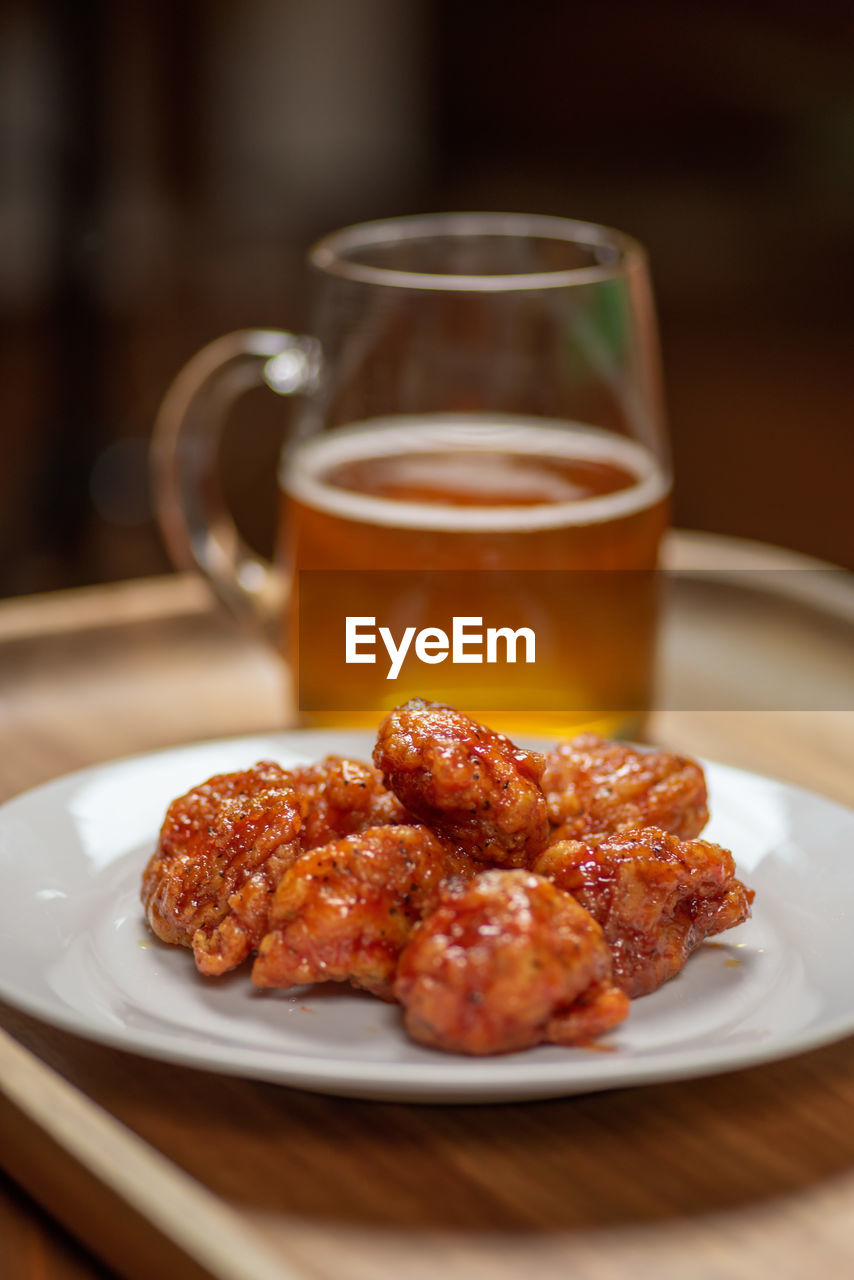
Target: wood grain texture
<point>34,1247</point>
<point>114,1191</point>
<point>747,1174</point>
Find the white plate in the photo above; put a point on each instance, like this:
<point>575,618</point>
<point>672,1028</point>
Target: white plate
<point>75,950</point>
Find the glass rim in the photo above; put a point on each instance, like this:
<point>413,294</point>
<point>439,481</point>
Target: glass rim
<point>327,254</point>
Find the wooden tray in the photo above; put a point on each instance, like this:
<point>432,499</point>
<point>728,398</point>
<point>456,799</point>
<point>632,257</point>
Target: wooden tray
<point>166,1170</point>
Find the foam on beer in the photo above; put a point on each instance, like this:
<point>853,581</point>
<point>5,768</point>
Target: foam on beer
<point>493,436</point>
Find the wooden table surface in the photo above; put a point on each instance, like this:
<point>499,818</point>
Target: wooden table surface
<point>173,1171</point>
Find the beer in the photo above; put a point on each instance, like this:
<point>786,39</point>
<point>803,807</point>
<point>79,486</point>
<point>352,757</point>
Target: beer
<point>517,521</point>
<point>452,540</point>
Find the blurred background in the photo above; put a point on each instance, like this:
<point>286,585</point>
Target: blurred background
<point>166,165</point>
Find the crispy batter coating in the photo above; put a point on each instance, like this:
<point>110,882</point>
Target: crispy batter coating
<point>655,896</point>
<point>466,780</point>
<point>343,912</point>
<point>341,796</point>
<point>594,787</point>
<point>505,962</point>
<point>222,848</point>
<point>226,844</point>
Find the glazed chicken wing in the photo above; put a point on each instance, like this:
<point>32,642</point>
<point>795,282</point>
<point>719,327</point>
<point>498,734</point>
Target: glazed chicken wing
<point>505,962</point>
<point>594,787</point>
<point>471,783</point>
<point>225,846</point>
<point>343,912</point>
<point>655,896</point>
<point>340,797</point>
<point>222,849</point>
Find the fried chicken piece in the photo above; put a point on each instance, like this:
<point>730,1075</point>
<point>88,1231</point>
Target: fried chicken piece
<point>655,896</point>
<point>225,846</point>
<point>505,962</point>
<point>595,787</point>
<point>340,797</point>
<point>466,780</point>
<point>344,912</point>
<point>222,849</point>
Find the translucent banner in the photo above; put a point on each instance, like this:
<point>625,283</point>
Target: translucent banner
<point>580,644</point>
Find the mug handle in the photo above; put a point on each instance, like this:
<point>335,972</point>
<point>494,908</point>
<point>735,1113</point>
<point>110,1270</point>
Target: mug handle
<point>197,526</point>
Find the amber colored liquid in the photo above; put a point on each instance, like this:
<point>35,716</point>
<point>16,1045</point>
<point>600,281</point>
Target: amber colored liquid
<point>465,495</point>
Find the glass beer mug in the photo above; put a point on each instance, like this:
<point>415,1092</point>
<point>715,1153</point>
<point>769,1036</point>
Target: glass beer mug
<point>474,482</point>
